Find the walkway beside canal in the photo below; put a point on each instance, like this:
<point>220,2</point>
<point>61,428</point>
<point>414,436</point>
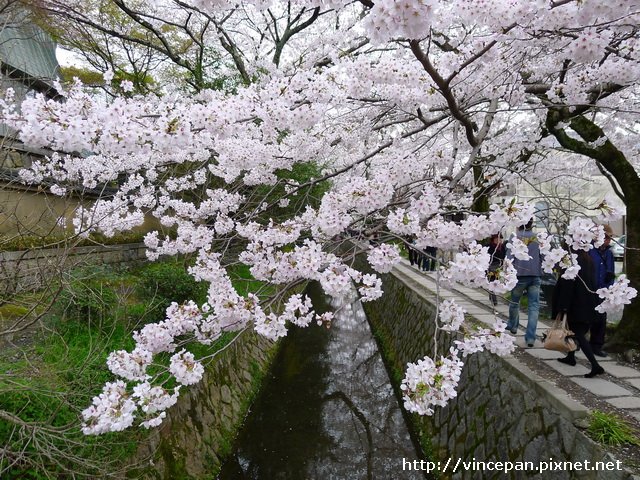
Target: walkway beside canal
<point>619,387</point>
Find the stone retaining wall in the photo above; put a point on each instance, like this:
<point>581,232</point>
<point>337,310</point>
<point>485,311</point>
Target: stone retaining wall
<point>503,412</point>
<point>198,432</point>
<point>33,269</point>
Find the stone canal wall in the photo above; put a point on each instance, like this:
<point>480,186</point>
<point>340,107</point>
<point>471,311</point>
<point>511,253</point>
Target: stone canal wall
<point>29,270</point>
<point>199,430</point>
<point>503,412</point>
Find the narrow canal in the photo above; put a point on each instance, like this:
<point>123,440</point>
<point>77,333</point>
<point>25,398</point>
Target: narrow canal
<point>327,410</point>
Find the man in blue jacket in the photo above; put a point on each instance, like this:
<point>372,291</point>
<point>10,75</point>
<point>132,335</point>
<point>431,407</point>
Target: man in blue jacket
<point>529,273</point>
<point>604,266</point>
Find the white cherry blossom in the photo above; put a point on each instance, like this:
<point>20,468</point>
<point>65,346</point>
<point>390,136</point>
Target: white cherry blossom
<point>185,368</point>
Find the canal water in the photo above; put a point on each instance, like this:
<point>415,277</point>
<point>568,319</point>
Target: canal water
<point>327,410</point>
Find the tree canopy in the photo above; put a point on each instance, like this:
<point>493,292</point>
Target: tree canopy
<point>413,114</point>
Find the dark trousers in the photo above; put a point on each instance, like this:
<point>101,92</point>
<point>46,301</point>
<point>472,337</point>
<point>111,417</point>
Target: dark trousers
<point>424,260</point>
<point>580,332</point>
<point>597,330</point>
<point>429,259</point>
<point>413,256</point>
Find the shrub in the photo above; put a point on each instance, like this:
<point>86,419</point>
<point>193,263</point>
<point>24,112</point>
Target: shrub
<point>46,387</point>
<point>138,314</point>
<point>88,293</point>
<point>168,282</point>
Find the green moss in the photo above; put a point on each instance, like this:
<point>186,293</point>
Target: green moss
<point>11,310</point>
<point>258,374</point>
<point>419,426</point>
<point>222,442</point>
<point>225,446</point>
<point>384,344</point>
<point>174,460</point>
<point>50,386</point>
<point>424,439</point>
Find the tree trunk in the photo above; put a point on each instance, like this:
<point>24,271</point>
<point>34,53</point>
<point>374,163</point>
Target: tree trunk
<point>627,333</point>
<point>480,197</point>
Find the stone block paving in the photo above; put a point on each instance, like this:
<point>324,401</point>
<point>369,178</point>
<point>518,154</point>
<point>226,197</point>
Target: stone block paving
<point>620,386</point>
<point>601,387</point>
<point>577,371</point>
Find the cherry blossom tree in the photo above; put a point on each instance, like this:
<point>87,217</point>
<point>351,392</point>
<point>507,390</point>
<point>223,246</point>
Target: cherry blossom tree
<point>410,111</point>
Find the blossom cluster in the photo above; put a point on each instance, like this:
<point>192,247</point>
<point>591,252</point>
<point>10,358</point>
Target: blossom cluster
<point>503,279</point>
<point>583,234</point>
<point>111,411</point>
<point>494,340</point>
<point>451,315</point>
<point>428,384</point>
<point>615,297</point>
<point>469,267</point>
<point>608,212</point>
<point>383,258</point>
<point>185,368</point>
<point>518,249</point>
<point>130,365</point>
<point>589,46</point>
<point>404,18</point>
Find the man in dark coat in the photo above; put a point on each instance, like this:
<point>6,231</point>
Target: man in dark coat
<point>604,265</point>
<point>497,251</point>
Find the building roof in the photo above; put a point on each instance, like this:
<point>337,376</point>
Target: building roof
<point>27,53</point>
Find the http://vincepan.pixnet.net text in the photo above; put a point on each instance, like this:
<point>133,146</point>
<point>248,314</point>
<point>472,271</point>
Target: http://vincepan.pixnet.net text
<point>453,465</point>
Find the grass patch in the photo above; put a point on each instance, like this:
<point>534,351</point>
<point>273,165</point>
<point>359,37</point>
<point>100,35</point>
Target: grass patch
<point>45,385</point>
<point>244,282</point>
<point>609,429</point>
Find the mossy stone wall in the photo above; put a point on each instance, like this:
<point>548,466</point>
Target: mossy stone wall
<point>199,430</point>
<point>28,270</point>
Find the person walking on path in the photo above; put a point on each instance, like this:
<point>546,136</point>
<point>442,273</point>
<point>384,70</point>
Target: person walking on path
<point>429,259</point>
<point>529,273</point>
<point>577,299</point>
<point>604,268</point>
<point>497,252</point>
<point>414,256</point>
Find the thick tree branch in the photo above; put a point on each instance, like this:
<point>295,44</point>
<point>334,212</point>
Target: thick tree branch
<point>612,182</point>
<point>164,47</point>
<point>291,30</point>
<point>475,151</point>
<point>595,145</point>
<point>446,92</point>
<point>147,25</point>
<point>229,45</point>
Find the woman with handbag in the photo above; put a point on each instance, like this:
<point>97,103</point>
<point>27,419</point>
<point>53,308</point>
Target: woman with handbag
<point>577,299</point>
